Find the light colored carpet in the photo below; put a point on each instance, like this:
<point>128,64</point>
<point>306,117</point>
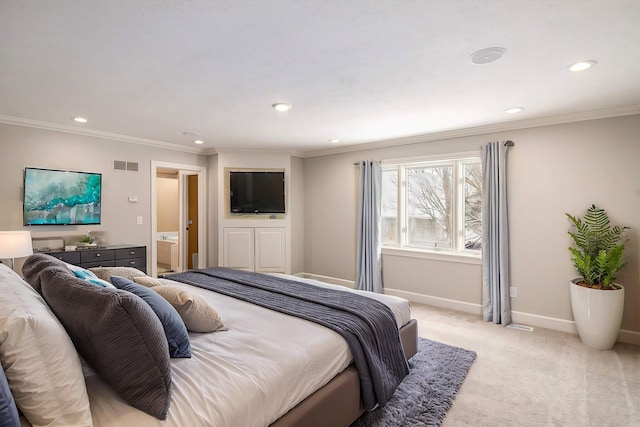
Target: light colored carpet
<point>539,378</point>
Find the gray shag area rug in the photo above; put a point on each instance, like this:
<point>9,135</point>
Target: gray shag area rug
<point>426,394</point>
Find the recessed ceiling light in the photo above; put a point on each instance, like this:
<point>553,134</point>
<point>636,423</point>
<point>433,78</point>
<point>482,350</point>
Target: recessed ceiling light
<point>513,110</point>
<point>334,141</point>
<point>488,55</point>
<point>80,119</point>
<point>582,65</point>
<point>281,106</point>
<point>198,141</point>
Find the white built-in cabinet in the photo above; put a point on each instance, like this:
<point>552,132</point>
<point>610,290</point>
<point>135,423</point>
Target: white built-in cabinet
<point>258,249</point>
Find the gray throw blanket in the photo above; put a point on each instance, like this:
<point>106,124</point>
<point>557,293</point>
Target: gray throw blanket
<point>367,325</point>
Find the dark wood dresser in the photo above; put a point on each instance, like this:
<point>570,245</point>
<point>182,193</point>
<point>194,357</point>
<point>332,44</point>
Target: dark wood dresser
<point>106,256</point>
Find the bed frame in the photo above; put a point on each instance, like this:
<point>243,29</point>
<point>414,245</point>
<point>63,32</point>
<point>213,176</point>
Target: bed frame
<point>338,403</point>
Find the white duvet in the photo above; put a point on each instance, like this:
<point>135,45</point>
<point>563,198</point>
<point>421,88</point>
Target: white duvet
<point>250,375</point>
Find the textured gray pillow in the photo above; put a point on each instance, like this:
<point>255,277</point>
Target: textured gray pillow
<point>36,263</point>
<point>118,334</point>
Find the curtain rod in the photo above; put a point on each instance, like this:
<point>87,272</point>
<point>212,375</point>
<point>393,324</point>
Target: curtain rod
<point>507,143</point>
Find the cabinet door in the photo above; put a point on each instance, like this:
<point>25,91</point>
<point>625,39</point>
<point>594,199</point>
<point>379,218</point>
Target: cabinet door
<point>239,248</point>
<point>270,249</point>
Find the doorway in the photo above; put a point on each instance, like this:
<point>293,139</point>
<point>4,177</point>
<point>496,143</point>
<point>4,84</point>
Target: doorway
<point>178,212</point>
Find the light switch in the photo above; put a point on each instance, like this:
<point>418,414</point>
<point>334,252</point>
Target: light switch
<point>139,220</point>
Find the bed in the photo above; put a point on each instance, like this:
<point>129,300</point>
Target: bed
<point>267,368</point>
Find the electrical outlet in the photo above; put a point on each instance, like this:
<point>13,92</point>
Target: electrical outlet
<point>513,292</point>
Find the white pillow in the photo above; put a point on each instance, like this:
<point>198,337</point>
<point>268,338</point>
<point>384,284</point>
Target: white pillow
<point>41,364</point>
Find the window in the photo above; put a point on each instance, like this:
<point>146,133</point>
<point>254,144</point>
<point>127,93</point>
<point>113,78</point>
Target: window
<point>433,205</point>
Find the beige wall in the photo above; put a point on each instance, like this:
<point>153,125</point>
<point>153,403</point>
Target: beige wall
<point>168,203</point>
<point>22,146</point>
<point>296,203</point>
<point>212,229</point>
<point>552,170</point>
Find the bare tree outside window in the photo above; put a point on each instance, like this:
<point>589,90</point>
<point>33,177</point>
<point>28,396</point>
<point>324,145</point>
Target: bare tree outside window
<point>435,211</point>
<point>429,199</point>
<point>390,232</point>
<point>473,206</point>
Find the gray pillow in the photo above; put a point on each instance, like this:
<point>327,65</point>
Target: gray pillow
<point>118,334</point>
<point>34,265</point>
<point>174,329</point>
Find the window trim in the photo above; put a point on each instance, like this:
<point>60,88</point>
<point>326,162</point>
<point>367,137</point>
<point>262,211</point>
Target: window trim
<point>458,253</point>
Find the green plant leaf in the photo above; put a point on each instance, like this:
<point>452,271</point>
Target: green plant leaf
<point>598,252</point>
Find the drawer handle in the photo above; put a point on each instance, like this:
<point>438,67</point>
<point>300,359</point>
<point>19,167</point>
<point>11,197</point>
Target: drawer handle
<point>132,252</point>
<point>97,254</point>
<point>132,262</point>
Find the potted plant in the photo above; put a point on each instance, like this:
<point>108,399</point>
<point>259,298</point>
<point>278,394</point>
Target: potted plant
<point>597,301</point>
<point>88,239</point>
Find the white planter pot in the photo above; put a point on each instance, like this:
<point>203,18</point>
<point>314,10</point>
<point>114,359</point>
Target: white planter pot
<point>598,314</point>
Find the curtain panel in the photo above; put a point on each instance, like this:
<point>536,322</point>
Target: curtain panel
<point>369,255</point>
<point>496,305</point>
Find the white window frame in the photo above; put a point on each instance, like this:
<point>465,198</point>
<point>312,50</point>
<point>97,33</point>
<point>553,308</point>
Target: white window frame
<point>456,254</point>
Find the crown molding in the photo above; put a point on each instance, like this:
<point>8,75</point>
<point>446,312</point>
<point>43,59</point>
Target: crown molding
<point>627,110</point>
<point>17,121</point>
<point>415,139</point>
<point>266,151</point>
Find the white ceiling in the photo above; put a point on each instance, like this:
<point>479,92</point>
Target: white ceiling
<point>356,70</point>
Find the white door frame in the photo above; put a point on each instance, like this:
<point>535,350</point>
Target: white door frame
<point>182,169</point>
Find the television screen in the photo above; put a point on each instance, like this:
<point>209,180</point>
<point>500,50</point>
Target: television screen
<point>257,192</point>
<point>61,197</point>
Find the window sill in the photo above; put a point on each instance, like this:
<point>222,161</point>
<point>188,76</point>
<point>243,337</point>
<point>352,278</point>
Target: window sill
<point>437,256</point>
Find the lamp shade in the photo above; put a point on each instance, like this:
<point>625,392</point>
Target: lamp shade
<point>15,244</point>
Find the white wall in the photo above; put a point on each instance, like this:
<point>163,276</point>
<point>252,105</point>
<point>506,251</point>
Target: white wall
<point>552,170</point>
<point>22,147</point>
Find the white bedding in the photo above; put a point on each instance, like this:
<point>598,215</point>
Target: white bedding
<point>250,375</point>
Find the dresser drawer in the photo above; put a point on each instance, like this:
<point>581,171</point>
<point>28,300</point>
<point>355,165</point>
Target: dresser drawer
<point>139,263</point>
<point>93,255</point>
<point>126,253</point>
<point>70,257</point>
<point>98,264</point>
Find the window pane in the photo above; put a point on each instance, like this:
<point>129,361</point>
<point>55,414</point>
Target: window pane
<point>473,206</point>
<point>390,207</point>
<point>429,206</point>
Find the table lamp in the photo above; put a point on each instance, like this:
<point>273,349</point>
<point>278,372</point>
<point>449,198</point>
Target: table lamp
<point>15,244</point>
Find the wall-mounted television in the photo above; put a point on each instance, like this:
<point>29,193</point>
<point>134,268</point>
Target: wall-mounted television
<point>256,192</point>
<point>58,197</point>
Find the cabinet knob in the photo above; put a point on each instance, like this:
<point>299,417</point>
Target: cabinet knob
<point>98,254</point>
<point>132,252</point>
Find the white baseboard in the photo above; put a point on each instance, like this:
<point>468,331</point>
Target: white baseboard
<point>328,279</point>
<point>569,326</point>
<point>467,307</point>
<point>553,323</point>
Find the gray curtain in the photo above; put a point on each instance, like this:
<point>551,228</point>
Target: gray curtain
<point>369,257</point>
<point>496,306</point>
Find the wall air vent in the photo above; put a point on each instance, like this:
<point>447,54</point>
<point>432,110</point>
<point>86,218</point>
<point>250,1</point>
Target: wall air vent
<point>121,165</point>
